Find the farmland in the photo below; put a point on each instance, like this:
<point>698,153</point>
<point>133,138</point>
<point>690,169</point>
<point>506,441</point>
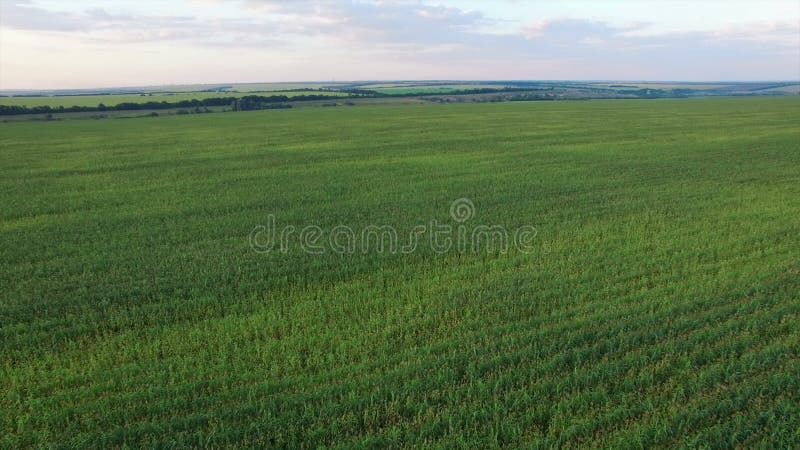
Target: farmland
<point>185,99</point>
<point>115,99</point>
<point>411,89</point>
<point>657,305</point>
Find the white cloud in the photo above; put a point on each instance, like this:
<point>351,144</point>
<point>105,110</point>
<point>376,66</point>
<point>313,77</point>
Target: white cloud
<point>263,40</point>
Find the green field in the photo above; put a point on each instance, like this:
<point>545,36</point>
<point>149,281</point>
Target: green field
<point>657,306</point>
<point>115,99</point>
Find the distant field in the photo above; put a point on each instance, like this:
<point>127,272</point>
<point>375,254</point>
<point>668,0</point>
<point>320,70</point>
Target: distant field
<point>174,88</point>
<point>443,89</point>
<point>409,84</point>
<point>699,86</point>
<point>793,89</point>
<point>260,87</point>
<point>110,100</point>
<point>656,306</point>
<point>383,85</point>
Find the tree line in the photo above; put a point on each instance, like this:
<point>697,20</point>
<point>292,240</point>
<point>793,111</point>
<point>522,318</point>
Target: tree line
<point>245,103</point>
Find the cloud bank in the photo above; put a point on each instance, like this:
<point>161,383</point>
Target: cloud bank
<point>265,40</point>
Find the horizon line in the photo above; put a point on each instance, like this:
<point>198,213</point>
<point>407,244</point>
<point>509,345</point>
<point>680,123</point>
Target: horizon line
<point>606,80</point>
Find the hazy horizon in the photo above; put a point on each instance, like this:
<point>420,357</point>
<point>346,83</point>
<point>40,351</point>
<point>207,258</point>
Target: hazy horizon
<point>90,44</point>
<point>463,80</point>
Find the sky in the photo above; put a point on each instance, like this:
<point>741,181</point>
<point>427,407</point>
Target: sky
<point>67,44</point>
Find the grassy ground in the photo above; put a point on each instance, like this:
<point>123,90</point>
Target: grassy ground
<point>657,306</point>
<point>115,99</point>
